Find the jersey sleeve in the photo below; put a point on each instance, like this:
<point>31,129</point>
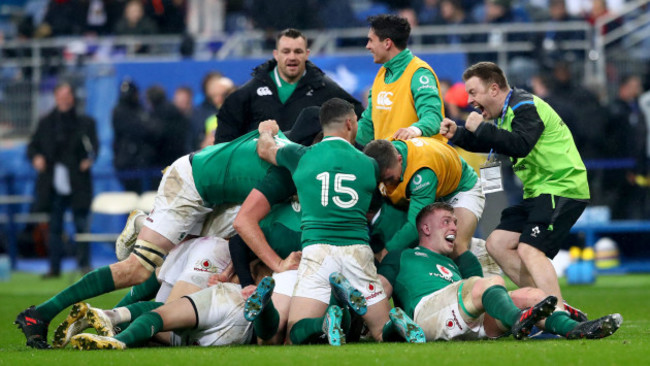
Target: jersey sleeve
<point>277,186</point>
<point>428,102</point>
<point>289,155</point>
<point>365,129</point>
<point>422,188</point>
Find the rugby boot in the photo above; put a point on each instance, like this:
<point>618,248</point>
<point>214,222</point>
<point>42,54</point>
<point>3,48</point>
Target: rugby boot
<point>332,326</point>
<point>348,295</point>
<point>259,298</point>
<point>406,327</point>
<point>87,341</point>
<point>34,328</point>
<point>82,316</point>
<point>126,240</point>
<point>598,328</point>
<point>528,317</point>
<point>575,313</point>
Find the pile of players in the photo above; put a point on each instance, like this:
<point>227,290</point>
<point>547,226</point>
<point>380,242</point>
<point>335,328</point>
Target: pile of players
<point>231,256</point>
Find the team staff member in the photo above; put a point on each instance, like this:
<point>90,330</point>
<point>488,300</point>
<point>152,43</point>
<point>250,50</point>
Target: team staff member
<point>279,90</point>
<point>546,160</point>
<point>418,172</point>
<point>405,99</point>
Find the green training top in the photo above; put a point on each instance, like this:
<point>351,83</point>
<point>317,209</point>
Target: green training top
<point>427,99</point>
<point>227,172</point>
<point>554,165</point>
<point>335,184</point>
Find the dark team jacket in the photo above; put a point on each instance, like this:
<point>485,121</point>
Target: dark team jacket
<point>527,127</point>
<point>258,100</point>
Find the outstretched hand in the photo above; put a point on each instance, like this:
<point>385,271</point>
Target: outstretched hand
<point>247,291</point>
<point>270,125</point>
<point>224,276</point>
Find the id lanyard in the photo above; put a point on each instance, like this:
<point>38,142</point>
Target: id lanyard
<point>503,115</point>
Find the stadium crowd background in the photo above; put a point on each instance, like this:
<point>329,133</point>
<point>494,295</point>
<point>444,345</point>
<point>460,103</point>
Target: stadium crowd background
<point>43,42</point>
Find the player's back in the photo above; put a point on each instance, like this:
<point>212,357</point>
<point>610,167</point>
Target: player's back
<point>335,183</point>
<point>227,172</point>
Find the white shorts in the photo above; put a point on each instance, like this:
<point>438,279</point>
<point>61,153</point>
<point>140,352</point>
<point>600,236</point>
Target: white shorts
<point>439,316</point>
<point>285,282</point>
<point>194,262</point>
<point>219,222</point>
<point>355,262</point>
<point>472,200</point>
<point>178,208</point>
<point>220,314</point>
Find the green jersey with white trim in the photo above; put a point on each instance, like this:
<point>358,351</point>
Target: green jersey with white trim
<point>335,184</point>
<point>227,172</point>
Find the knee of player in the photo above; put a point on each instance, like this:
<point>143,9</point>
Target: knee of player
<point>527,251</point>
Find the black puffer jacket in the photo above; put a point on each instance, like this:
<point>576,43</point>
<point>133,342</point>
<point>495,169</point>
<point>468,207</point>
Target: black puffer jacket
<point>257,100</point>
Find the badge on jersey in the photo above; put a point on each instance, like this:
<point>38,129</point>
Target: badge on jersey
<point>491,176</point>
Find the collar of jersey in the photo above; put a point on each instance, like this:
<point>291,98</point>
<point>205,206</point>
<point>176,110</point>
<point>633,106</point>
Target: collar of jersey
<point>279,81</point>
<point>332,138</point>
<point>397,64</point>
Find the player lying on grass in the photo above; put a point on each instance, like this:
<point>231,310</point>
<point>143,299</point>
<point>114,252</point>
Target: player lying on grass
<point>205,316</point>
<point>187,269</point>
<point>449,307</point>
<point>191,186</point>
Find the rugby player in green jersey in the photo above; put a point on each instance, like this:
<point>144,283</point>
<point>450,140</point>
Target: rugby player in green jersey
<point>190,188</point>
<point>545,158</point>
<point>335,184</point>
<point>429,285</point>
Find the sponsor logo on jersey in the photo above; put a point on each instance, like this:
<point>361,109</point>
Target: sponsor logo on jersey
<point>264,90</point>
<point>422,254</point>
<point>450,323</point>
<point>417,180</point>
<point>424,79</point>
<point>455,319</point>
<point>205,265</point>
<point>445,273</point>
<point>383,100</point>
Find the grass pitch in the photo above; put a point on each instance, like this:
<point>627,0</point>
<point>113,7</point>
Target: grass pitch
<point>628,295</point>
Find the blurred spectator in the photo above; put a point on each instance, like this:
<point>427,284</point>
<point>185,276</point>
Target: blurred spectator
<point>627,131</point>
<point>549,43</point>
<point>205,109</point>
<point>218,93</point>
<point>182,99</point>
<point>62,150</point>
<point>428,11</point>
<point>453,16</point>
<point>172,127</point>
<point>501,12</point>
<point>456,102</point>
<point>133,132</point>
<point>337,14</point>
<point>169,15</point>
<point>274,16</point>
<point>101,15</point>
<point>599,9</point>
<point>280,89</point>
<point>134,21</point>
<point>62,18</point>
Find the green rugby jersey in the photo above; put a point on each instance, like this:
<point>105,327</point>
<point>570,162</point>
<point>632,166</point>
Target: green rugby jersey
<point>335,183</point>
<point>281,227</point>
<point>227,172</point>
<point>421,273</point>
<point>554,165</point>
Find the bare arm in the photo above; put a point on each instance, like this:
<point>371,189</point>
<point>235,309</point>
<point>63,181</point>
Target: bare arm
<point>266,148</point>
<point>247,223</point>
